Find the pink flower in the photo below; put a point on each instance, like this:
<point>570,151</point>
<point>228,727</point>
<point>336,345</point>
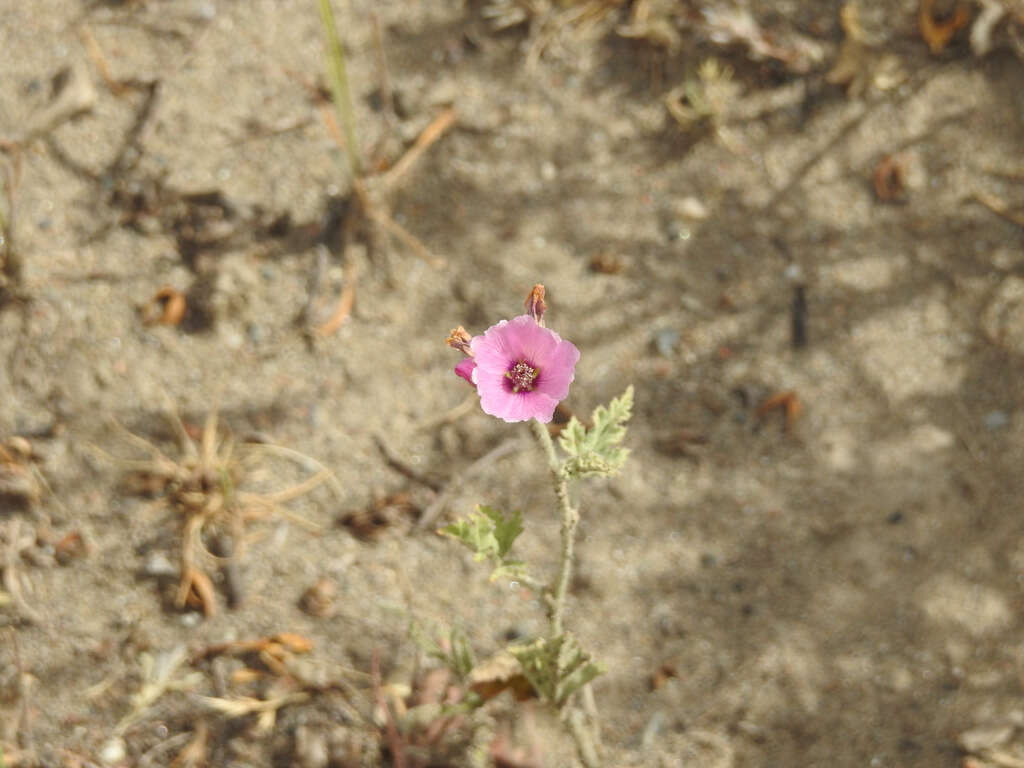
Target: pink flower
<point>521,369</point>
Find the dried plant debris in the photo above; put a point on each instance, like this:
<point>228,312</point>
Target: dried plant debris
<point>860,66</point>
<point>435,721</point>
<point>787,402</point>
<point>890,179</point>
<point>395,511</point>
<point>15,543</point>
<point>938,32</point>
<point>21,484</point>
<point>999,23</point>
<point>204,486</point>
<point>166,307</point>
<point>705,98</point>
<point>318,600</point>
<point>724,25</point>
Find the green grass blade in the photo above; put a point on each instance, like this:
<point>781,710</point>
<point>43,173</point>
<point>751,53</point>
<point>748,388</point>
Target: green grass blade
<point>337,76</point>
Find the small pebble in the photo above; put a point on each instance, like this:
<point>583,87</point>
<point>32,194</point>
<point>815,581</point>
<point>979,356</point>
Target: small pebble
<point>665,341</point>
<point>113,751</point>
<point>158,566</point>
<point>692,208</point>
<point>997,420</point>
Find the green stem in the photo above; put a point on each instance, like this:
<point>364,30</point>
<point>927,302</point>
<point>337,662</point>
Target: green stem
<point>338,79</point>
<point>570,518</point>
<point>573,719</point>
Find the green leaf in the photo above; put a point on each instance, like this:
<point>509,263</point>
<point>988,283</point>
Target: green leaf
<point>458,656</point>
<point>513,570</point>
<point>461,656</point>
<point>506,531</point>
<point>487,532</point>
<point>597,451</point>
<point>556,668</point>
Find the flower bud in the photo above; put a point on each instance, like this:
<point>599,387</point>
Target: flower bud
<point>535,305</point>
<point>459,339</point>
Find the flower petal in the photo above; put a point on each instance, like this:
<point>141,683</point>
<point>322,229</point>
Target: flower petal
<point>517,406</point>
<point>465,369</point>
<point>510,341</point>
<point>558,370</point>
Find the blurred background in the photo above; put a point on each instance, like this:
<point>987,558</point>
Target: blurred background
<point>229,426</point>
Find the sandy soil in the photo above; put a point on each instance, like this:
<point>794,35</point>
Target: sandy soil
<point>842,589</point>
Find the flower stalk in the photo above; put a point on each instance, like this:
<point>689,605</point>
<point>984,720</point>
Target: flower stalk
<point>570,519</point>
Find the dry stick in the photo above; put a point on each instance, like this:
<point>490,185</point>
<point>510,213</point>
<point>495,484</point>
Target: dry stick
<point>999,208</point>
<point>452,414</point>
<point>410,240</point>
<point>403,468</point>
<point>11,264</point>
<point>11,579</point>
<point>434,131</point>
<point>437,506</point>
<point>346,300</point>
<point>394,738</point>
<point>92,47</point>
<point>25,708</point>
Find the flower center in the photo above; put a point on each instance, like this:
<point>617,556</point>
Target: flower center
<point>522,376</point>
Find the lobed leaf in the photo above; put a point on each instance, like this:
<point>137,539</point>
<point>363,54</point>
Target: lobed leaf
<point>597,451</point>
<point>487,532</point>
<point>556,668</point>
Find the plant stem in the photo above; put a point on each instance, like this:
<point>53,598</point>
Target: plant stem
<point>572,717</point>
<point>570,518</point>
<point>337,77</point>
<point>583,738</point>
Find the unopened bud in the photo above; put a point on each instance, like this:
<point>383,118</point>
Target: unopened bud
<point>459,339</point>
<point>535,305</point>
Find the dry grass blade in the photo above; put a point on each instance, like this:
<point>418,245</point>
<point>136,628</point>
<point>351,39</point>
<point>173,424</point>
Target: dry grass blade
<point>434,131</point>
<point>999,208</point>
<point>9,558</point>
<point>346,301</point>
<point>266,709</point>
<point>195,752</point>
<point>158,677</point>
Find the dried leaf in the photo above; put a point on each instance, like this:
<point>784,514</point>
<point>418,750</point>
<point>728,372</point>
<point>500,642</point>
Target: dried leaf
<point>167,307</point>
<point>498,674</point>
<point>889,178</point>
<point>788,402</point>
<point>938,33</point>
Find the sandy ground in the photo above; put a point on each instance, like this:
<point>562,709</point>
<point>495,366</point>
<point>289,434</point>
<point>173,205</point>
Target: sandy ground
<point>842,589</point>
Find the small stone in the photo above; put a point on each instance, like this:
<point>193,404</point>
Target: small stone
<point>113,751</point>
<point>318,600</point>
<point>665,341</point>
<point>692,208</point>
<point>310,747</point>
<point>996,420</point>
<point>985,737</point>
<point>158,566</point>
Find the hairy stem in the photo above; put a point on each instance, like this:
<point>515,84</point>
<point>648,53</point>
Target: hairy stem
<point>570,518</point>
<point>584,738</point>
